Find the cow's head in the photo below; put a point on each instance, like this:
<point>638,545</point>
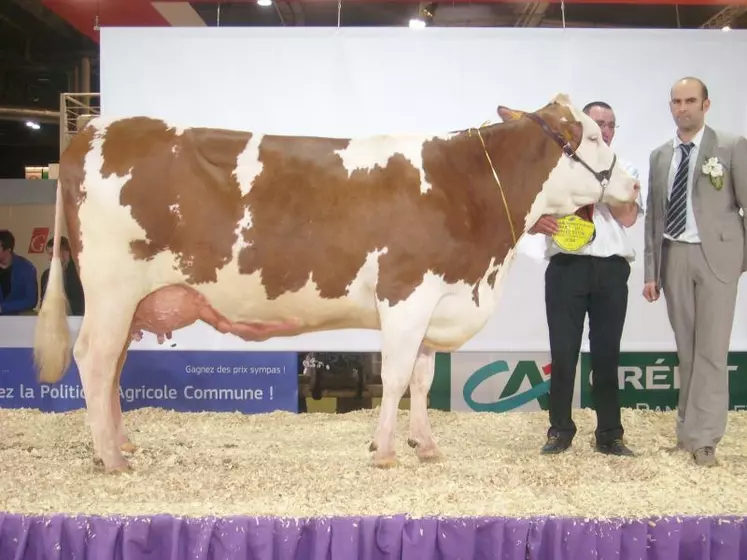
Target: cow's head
<point>587,170</point>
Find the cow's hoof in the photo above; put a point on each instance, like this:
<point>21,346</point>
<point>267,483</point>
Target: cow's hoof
<point>128,447</point>
<point>385,461</point>
<point>120,468</point>
<point>372,446</point>
<point>428,454</point>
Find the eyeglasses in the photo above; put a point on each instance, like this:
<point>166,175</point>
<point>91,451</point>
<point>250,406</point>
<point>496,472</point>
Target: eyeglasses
<point>611,125</point>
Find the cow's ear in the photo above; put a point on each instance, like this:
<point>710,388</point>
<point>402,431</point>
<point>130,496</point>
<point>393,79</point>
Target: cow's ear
<point>573,133</point>
<point>507,114</point>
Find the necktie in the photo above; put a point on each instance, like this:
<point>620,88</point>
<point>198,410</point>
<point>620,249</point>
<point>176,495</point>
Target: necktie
<point>677,209</point>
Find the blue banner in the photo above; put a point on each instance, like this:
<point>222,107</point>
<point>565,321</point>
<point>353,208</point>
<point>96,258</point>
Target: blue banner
<point>184,381</point>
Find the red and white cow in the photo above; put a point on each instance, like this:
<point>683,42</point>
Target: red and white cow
<point>263,236</point>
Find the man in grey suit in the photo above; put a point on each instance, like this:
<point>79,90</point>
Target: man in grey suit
<point>695,252</point>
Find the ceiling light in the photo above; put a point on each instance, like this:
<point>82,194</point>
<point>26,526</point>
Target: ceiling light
<point>417,23</point>
<point>33,125</point>
<point>264,2</point>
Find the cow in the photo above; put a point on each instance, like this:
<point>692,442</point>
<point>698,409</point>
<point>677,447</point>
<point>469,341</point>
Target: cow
<point>264,235</point>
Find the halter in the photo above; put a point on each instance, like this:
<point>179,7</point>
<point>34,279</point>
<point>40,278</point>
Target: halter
<point>602,176</point>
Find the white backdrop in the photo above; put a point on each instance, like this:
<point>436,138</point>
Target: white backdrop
<point>354,81</point>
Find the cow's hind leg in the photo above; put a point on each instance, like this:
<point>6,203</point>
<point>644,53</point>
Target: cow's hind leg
<point>402,330</point>
<point>122,440</point>
<point>103,335</point>
<point>421,435</point>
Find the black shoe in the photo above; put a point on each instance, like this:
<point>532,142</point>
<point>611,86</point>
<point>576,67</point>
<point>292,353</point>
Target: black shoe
<point>555,444</point>
<point>614,447</point>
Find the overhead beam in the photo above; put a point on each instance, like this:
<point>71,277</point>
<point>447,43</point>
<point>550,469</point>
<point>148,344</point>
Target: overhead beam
<point>725,17</point>
<point>532,14</point>
<point>35,8</point>
<point>30,113</point>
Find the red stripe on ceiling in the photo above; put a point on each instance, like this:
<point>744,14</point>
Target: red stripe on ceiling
<point>720,3</point>
<point>81,14</point>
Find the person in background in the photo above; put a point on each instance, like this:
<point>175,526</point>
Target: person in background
<point>73,287</point>
<point>593,280</point>
<point>19,289</point>
<point>695,251</point>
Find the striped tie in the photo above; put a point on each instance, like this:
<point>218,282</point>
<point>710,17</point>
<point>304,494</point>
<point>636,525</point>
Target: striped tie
<point>677,209</point>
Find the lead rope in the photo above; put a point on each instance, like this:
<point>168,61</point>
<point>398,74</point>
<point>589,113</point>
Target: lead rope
<point>500,187</point>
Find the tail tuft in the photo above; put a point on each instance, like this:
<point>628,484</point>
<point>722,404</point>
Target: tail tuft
<point>52,351</point>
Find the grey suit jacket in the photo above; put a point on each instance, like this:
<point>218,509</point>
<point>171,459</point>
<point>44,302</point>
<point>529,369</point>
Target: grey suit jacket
<point>720,227</point>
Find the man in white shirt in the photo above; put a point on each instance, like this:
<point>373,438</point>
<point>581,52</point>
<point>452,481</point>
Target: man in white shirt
<point>593,280</point>
<point>695,251</point>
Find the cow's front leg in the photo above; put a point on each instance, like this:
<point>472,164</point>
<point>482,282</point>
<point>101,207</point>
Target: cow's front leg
<point>402,329</point>
<point>421,435</point>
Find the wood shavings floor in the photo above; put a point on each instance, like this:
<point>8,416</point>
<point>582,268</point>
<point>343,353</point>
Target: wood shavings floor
<point>318,464</point>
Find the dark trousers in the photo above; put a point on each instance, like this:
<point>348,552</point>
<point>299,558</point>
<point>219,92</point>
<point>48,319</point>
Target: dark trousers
<point>574,286</point>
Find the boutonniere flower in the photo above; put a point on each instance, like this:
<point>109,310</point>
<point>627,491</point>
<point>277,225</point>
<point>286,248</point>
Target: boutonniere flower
<point>715,172</point>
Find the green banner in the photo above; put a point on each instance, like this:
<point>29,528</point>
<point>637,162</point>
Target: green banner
<point>650,380</point>
<point>440,393</point>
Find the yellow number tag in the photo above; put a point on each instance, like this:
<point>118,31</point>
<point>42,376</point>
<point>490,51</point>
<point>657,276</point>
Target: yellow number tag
<point>574,233</point>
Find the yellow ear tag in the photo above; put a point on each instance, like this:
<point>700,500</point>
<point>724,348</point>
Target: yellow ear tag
<point>574,233</point>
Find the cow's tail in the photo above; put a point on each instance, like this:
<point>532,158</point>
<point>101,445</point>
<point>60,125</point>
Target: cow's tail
<point>52,351</point>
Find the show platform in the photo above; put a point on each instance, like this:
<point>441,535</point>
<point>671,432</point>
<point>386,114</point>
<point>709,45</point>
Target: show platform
<point>284,486</point>
<point>369,538</point>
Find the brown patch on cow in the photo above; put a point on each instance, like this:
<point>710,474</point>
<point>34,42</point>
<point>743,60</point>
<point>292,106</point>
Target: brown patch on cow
<point>71,176</point>
<point>476,294</point>
<point>311,220</point>
<point>192,172</point>
<point>491,278</point>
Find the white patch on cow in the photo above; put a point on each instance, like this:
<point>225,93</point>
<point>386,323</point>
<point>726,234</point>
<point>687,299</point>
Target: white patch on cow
<point>248,166</point>
<point>376,151</point>
<point>175,210</point>
<point>244,223</point>
<point>359,289</point>
<point>538,208</point>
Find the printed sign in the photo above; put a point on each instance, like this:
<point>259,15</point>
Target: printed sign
<point>38,241</point>
<point>500,382</point>
<point>184,381</point>
<point>650,380</point>
<point>574,233</point>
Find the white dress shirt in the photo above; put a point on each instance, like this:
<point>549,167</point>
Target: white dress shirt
<point>611,238</point>
<point>690,235</point>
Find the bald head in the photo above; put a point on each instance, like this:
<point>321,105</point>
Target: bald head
<point>689,104</point>
<point>691,81</point>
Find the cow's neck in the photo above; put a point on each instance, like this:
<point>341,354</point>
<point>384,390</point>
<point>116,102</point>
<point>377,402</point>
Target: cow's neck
<point>523,158</point>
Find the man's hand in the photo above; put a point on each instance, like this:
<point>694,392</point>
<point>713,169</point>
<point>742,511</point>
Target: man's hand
<point>626,214</point>
<point>546,224</point>
<point>650,291</point>
<point>636,192</point>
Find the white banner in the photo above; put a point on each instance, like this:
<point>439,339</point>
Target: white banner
<point>387,80</point>
<point>502,381</point>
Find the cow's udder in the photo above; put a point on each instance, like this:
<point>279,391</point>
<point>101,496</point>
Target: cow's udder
<point>175,307</point>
